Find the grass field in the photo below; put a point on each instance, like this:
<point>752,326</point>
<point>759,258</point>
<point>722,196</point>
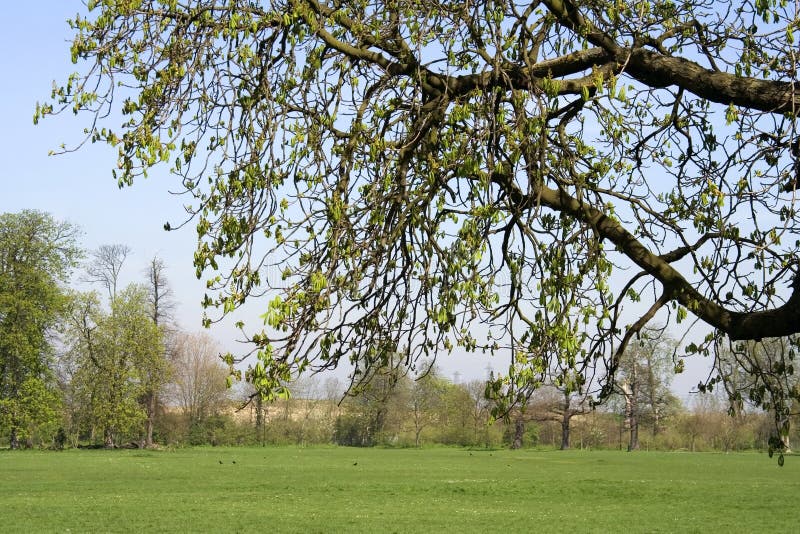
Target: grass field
<point>383,490</point>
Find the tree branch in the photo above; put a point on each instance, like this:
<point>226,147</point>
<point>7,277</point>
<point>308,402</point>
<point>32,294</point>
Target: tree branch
<point>778,322</point>
<point>657,70</point>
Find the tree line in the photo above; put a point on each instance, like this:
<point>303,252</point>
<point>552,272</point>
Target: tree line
<point>91,367</point>
<point>110,368</point>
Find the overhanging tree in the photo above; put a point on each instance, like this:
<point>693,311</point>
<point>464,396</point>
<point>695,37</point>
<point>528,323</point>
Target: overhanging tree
<point>479,174</point>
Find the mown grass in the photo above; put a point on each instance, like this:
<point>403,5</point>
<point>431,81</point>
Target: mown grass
<point>385,490</point>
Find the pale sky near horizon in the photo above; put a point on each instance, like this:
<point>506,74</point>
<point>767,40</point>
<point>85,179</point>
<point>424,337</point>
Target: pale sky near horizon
<point>78,187</point>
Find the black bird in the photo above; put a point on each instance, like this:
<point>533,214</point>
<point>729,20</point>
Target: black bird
<point>220,462</point>
<point>234,461</point>
<point>355,463</point>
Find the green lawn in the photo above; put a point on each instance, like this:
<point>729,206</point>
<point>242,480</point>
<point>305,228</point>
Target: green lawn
<point>379,490</point>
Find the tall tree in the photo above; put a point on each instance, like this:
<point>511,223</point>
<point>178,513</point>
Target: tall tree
<point>426,171</point>
<point>161,307</point>
<point>37,255</point>
<point>116,352</point>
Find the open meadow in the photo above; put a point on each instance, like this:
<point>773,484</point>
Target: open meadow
<point>328,489</point>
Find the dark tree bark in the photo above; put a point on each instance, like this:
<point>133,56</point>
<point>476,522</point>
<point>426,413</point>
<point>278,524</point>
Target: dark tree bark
<point>519,433</point>
<point>565,428</point>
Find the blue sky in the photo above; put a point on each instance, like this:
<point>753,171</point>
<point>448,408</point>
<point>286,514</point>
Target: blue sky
<point>78,187</point>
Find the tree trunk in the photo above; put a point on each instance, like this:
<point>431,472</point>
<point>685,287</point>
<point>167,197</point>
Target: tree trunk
<point>633,445</point>
<point>417,424</point>
<point>151,415</point>
<point>652,392</point>
<point>656,421</point>
<point>380,422</point>
<point>260,418</point>
<point>519,433</point>
<point>631,416</point>
<point>565,420</point>
<point>108,438</point>
<point>14,439</point>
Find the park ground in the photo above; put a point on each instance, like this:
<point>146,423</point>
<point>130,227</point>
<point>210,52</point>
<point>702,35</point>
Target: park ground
<point>341,489</point>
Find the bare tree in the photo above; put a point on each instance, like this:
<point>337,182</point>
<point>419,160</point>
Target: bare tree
<point>105,267</point>
<point>480,409</point>
<point>199,376</point>
<point>161,304</point>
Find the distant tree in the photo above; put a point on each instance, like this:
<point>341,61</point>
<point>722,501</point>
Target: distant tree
<point>199,378</point>
<point>697,424</point>
<point>161,308</point>
<point>35,412</point>
<point>105,266</point>
<point>159,291</point>
<point>37,255</point>
<point>115,353</point>
<point>453,424</point>
<point>644,374</point>
<point>378,390</point>
<point>426,401</point>
<point>559,405</point>
<point>559,358</point>
<point>479,410</point>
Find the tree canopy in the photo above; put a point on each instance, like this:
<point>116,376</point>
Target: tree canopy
<point>413,176</point>
<point>118,359</point>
